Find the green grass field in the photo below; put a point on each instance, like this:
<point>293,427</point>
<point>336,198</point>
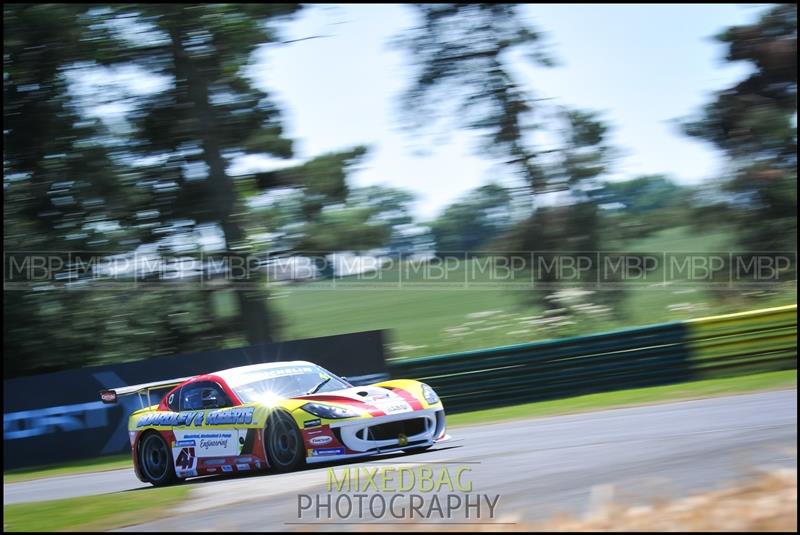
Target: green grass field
<point>100,464</point>
<point>93,513</point>
<point>631,397</point>
<point>427,320</point>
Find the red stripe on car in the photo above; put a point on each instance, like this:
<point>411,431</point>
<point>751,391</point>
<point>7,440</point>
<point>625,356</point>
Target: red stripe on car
<point>374,411</point>
<point>408,396</point>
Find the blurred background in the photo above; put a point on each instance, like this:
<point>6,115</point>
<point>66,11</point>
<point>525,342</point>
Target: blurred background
<point>148,146</point>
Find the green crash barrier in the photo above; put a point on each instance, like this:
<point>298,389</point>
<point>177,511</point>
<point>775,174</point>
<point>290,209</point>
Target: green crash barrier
<point>718,346</point>
<point>747,342</point>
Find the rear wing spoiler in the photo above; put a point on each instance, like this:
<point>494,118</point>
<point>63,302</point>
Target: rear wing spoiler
<point>112,395</point>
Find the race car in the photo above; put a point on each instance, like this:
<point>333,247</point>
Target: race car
<point>274,416</point>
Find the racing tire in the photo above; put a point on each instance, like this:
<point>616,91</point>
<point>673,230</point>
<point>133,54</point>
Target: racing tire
<point>155,460</point>
<point>283,443</point>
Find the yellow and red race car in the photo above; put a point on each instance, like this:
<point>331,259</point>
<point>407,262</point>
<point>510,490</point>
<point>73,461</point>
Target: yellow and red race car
<point>275,416</point>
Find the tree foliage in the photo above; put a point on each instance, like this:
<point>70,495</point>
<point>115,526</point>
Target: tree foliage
<point>73,184</point>
<point>755,123</point>
<point>462,55</point>
<point>474,221</point>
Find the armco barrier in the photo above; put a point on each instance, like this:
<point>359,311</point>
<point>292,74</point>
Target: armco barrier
<point>733,344</point>
<point>761,340</point>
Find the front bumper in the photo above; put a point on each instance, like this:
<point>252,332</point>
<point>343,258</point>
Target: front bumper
<point>384,434</point>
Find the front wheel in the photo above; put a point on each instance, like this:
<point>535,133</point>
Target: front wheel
<point>155,460</point>
<point>284,444</point>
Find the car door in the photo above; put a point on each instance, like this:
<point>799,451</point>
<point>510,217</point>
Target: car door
<point>199,444</point>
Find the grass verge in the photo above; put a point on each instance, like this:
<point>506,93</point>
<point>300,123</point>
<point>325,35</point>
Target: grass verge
<point>636,396</point>
<point>99,464</point>
<point>93,513</point>
<point>471,307</point>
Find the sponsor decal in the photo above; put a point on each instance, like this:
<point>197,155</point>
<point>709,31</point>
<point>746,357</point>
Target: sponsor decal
<point>396,408</point>
<point>211,470</point>
<point>230,416</point>
<point>328,451</point>
<point>186,459</point>
<point>212,443</point>
<point>173,419</point>
<point>26,424</point>
<point>243,415</point>
<point>311,423</point>
<point>402,440</point>
<point>241,466</point>
<point>184,443</point>
<point>393,406</point>
<point>227,468</point>
<point>320,441</point>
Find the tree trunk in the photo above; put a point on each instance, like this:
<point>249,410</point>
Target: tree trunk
<point>253,314</point>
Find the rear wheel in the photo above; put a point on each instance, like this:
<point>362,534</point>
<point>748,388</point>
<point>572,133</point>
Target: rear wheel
<point>284,444</point>
<point>155,460</point>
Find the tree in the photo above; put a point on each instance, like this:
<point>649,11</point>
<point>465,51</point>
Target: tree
<point>472,222</point>
<point>633,209</point>
<point>574,225</point>
<point>755,124</point>
<point>71,184</point>
<point>642,194</point>
<point>387,212</point>
<point>210,114</point>
<point>60,185</point>
<point>462,54</point>
<point>574,168</point>
<point>58,174</point>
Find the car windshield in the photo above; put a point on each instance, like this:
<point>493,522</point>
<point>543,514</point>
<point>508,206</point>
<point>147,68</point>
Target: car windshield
<point>273,384</point>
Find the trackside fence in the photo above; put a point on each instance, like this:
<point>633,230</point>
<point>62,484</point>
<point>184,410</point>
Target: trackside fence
<point>719,346</point>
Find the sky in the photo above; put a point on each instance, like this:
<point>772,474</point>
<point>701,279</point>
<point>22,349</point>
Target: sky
<point>642,66</point>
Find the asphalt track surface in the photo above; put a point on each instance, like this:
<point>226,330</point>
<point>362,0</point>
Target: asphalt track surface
<point>538,467</point>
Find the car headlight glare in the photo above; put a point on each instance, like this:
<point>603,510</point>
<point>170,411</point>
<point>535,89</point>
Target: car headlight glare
<point>329,411</point>
<point>430,394</point>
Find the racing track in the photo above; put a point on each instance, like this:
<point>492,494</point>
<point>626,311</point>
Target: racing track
<point>538,466</point>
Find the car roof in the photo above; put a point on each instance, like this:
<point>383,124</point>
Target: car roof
<point>231,375</point>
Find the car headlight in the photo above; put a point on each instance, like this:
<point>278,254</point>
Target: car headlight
<point>430,394</point>
<point>329,411</point>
